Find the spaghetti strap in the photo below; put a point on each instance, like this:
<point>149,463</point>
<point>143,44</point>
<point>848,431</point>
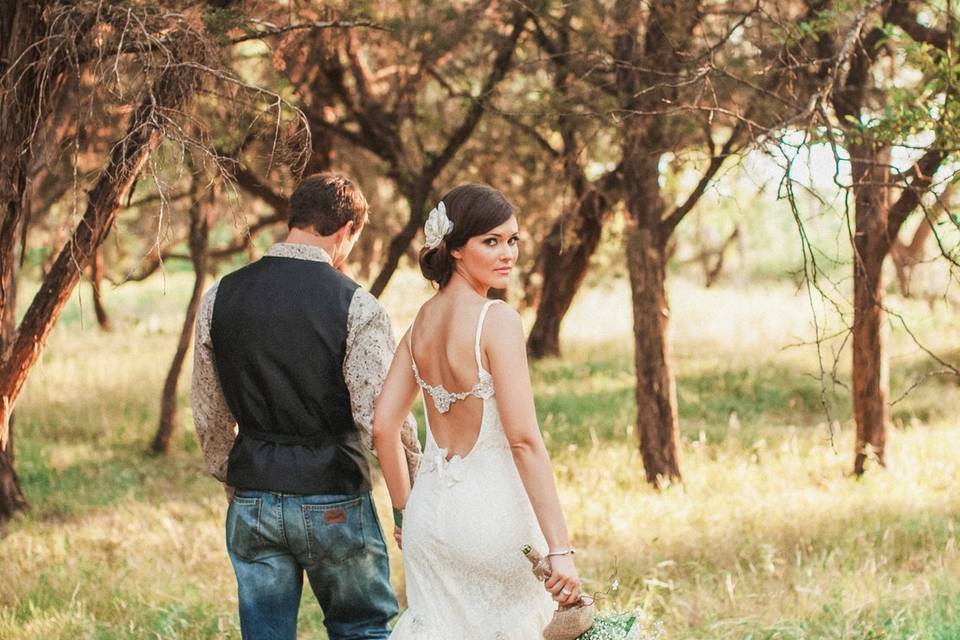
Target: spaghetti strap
<point>410,336</point>
<point>483,315</point>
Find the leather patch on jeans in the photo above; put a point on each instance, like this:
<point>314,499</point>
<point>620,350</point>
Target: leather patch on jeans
<point>335,516</point>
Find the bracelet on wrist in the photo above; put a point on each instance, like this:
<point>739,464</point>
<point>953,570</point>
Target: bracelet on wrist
<point>398,518</point>
<point>565,552</point>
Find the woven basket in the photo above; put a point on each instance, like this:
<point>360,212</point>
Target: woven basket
<point>569,621</point>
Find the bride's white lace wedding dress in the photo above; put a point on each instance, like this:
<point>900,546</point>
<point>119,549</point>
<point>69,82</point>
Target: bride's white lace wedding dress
<point>464,525</point>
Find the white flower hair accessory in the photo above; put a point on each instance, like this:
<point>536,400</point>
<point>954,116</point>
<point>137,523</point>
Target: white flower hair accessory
<point>438,226</point>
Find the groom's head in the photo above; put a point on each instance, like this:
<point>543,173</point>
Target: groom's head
<point>325,203</point>
<point>328,209</point>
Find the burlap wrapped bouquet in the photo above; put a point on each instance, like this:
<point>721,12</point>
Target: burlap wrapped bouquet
<point>580,622</point>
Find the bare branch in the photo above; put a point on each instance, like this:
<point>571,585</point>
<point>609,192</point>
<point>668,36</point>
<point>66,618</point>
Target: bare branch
<point>670,222</point>
<point>500,66</point>
<point>920,177</point>
<point>269,30</point>
<point>252,184</point>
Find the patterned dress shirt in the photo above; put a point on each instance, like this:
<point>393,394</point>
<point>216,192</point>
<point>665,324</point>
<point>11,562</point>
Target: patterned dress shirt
<point>370,346</point>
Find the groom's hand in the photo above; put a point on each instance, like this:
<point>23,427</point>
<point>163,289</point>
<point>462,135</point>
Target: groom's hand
<point>229,491</point>
<point>398,536</point>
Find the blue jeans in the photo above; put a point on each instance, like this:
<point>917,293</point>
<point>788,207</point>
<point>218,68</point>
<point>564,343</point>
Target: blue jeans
<point>273,538</point>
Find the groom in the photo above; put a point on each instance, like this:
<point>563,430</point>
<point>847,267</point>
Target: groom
<point>289,358</point>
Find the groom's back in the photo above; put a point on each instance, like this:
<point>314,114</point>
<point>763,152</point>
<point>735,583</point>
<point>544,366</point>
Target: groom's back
<point>279,335</point>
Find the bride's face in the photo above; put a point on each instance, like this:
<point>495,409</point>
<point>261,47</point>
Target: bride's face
<point>488,258</point>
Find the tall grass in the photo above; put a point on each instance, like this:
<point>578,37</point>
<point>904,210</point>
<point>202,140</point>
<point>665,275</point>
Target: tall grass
<point>768,537</point>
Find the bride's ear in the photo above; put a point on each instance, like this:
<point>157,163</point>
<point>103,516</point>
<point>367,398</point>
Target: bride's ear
<point>457,254</point>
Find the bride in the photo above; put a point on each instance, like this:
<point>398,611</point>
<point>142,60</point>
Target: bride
<point>485,487</point>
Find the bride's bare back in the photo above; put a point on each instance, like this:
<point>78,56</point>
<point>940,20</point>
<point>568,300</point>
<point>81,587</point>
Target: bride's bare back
<point>444,342</point>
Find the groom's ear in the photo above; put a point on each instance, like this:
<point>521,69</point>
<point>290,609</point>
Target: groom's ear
<point>345,231</point>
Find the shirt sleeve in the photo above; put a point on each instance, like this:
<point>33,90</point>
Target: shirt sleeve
<point>215,425</point>
<point>370,347</point>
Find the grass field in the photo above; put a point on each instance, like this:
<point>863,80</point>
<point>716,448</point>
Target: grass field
<point>767,538</point>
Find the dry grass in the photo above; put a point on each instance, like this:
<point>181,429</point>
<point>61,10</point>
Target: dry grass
<point>767,538</point>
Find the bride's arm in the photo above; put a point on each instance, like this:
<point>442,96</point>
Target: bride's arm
<point>397,396</point>
<point>506,351</point>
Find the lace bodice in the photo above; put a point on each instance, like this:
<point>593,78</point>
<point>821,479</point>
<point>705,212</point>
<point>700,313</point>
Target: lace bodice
<point>442,398</point>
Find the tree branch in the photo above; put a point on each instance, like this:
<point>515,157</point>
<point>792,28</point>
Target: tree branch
<point>500,66</point>
<point>901,15</point>
<point>920,177</point>
<point>670,222</point>
<point>252,184</point>
<point>270,29</point>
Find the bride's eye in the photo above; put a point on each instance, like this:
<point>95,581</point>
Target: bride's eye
<point>490,242</point>
<point>513,240</point>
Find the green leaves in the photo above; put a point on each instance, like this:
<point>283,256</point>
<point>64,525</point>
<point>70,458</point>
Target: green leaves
<point>910,91</point>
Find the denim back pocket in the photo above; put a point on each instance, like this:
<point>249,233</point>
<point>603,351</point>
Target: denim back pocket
<point>243,527</point>
<point>335,530</point>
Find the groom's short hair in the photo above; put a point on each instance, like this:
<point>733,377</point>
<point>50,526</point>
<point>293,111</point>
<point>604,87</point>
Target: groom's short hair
<point>325,202</point>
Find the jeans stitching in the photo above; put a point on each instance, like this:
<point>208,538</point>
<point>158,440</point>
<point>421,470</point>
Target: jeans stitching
<point>376,521</point>
<point>257,537</point>
<point>308,530</point>
<point>280,522</point>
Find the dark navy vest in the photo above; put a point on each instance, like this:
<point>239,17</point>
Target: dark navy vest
<point>279,335</point>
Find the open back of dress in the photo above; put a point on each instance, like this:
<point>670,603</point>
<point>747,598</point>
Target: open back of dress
<point>456,415</point>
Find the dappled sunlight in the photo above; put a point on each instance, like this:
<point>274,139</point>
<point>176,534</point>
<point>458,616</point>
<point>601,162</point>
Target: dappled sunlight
<point>777,533</point>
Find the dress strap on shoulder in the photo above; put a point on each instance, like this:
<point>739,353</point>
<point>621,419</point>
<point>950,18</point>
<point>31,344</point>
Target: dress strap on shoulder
<point>410,335</point>
<point>483,314</point>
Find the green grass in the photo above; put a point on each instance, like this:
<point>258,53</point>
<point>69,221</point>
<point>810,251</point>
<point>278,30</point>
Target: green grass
<point>767,538</point>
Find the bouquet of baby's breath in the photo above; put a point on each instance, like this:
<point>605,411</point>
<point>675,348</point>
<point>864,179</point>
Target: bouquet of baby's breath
<point>580,622</point>
<point>621,626</point>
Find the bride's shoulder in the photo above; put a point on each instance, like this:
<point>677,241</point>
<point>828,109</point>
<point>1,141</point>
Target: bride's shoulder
<point>503,324</point>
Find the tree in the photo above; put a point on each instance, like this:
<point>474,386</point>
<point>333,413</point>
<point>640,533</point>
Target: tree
<point>26,84</point>
<point>385,84</point>
<point>574,236</point>
<point>883,197</point>
<point>170,91</point>
<point>687,75</point>
<point>201,216</point>
<point>159,66</point>
<point>650,70</point>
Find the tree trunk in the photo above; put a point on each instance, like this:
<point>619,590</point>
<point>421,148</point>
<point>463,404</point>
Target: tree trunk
<point>400,242</point>
<point>669,28</point>
<point>96,280</point>
<point>871,369</point>
<point>564,268</point>
<point>22,91</point>
<point>200,216</point>
<point>656,393</point>
<point>647,238</point>
<point>12,498</point>
<point>174,86</point>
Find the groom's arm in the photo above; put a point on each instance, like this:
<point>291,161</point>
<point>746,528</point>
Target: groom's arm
<point>370,346</point>
<point>216,426</point>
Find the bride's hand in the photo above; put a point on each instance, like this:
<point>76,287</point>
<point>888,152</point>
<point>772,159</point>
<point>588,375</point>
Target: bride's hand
<point>564,582</point>
<point>398,536</point>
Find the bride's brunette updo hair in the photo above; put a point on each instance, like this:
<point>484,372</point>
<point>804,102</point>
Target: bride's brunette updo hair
<point>474,210</point>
